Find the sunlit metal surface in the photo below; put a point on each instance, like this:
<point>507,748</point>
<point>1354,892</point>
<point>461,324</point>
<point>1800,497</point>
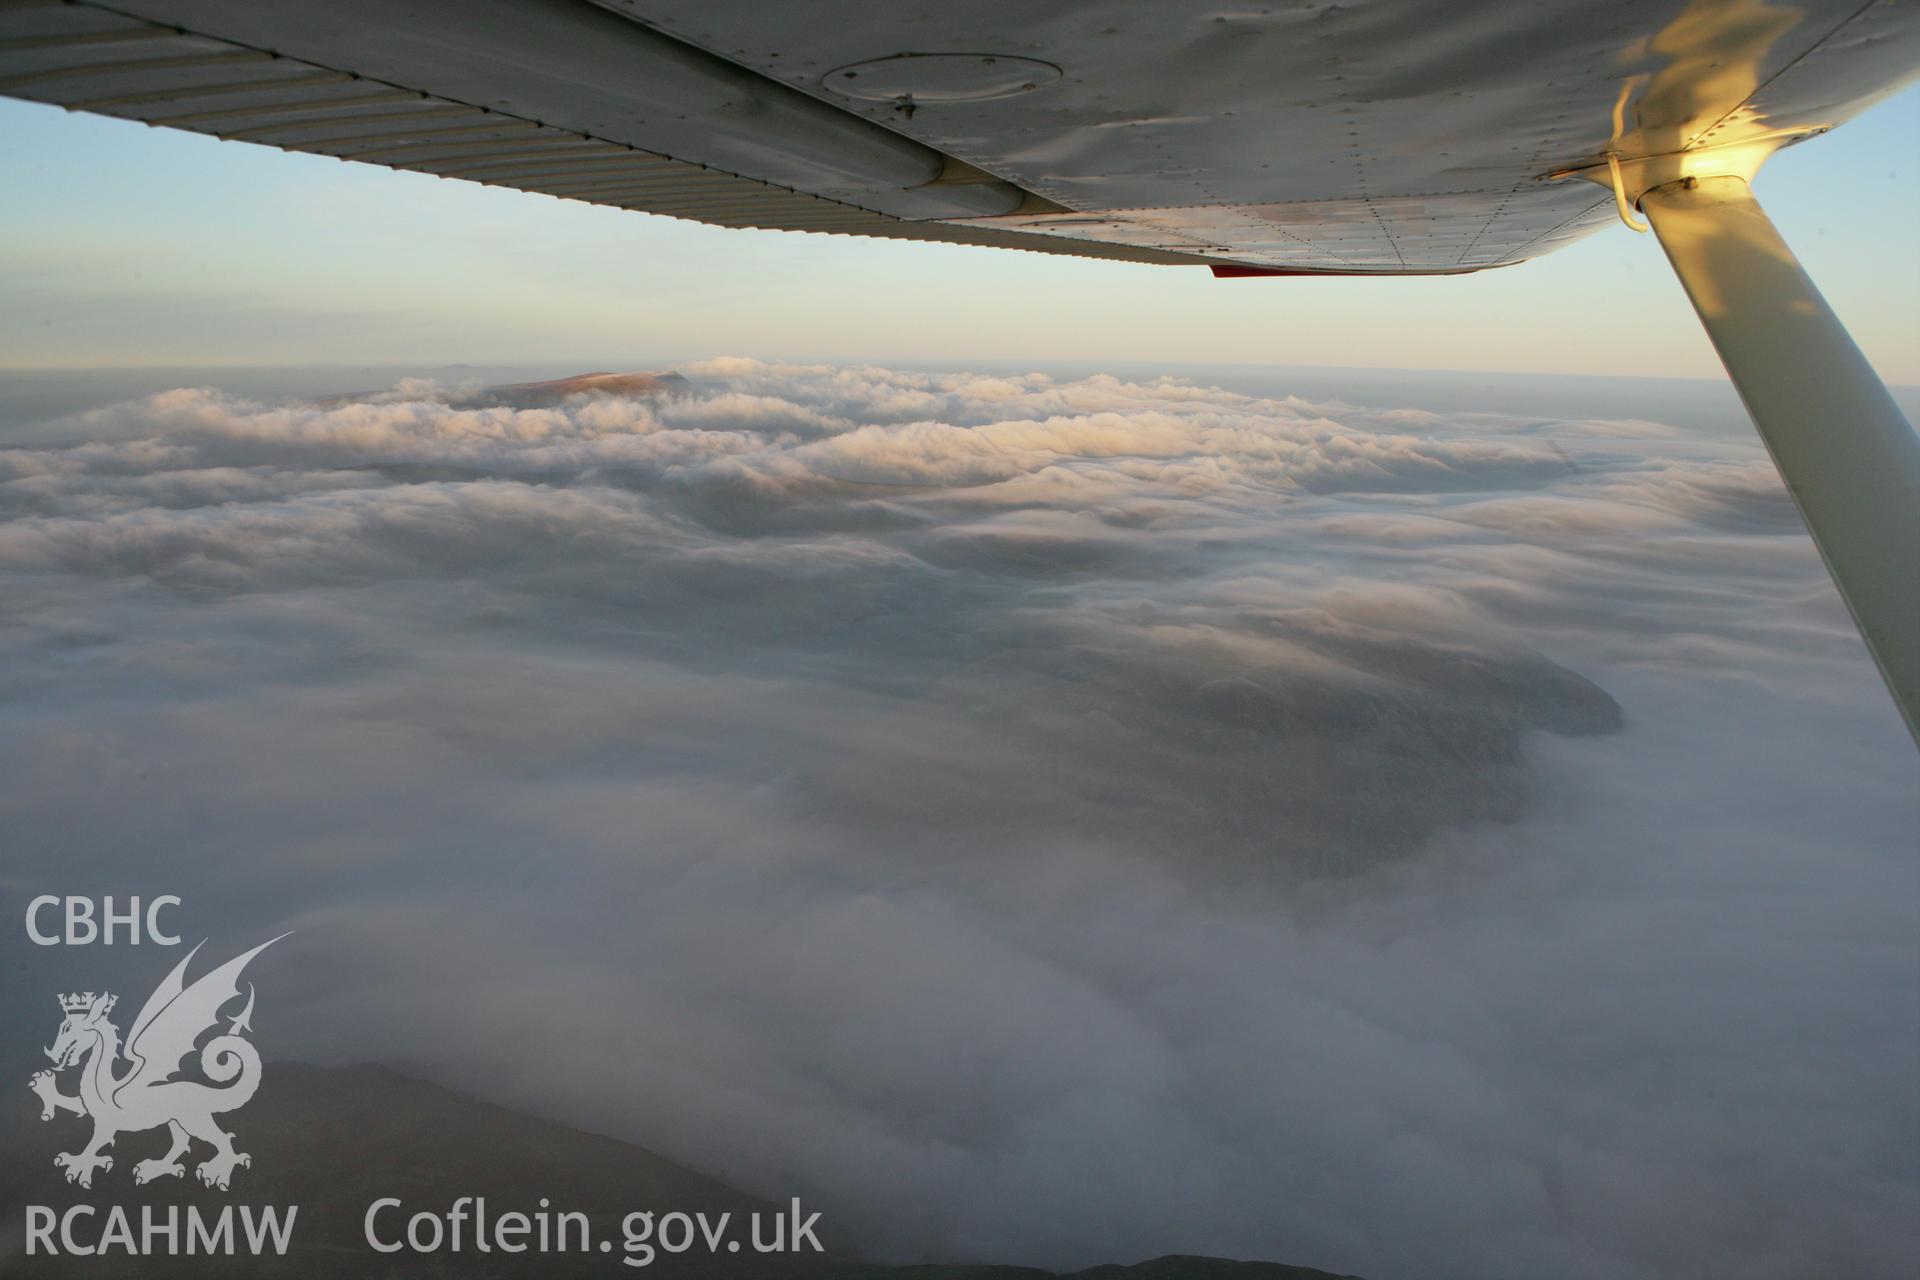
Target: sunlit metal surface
<point>1392,136</point>
<point>1848,456</point>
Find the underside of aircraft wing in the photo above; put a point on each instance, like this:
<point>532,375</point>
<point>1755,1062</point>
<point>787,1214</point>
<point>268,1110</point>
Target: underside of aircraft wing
<point>1399,136</point>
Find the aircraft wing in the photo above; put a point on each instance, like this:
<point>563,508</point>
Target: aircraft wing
<point>1378,137</point>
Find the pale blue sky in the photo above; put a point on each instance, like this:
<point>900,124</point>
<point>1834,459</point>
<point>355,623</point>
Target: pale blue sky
<point>126,245</point>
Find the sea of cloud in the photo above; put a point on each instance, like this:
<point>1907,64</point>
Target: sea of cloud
<point>1045,820</point>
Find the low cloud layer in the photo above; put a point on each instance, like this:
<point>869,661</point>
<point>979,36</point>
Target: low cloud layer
<point>1045,820</point>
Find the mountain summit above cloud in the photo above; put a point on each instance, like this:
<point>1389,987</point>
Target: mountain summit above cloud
<point>545,395</point>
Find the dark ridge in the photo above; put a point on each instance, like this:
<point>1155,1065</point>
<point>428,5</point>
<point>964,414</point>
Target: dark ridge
<point>332,1140</point>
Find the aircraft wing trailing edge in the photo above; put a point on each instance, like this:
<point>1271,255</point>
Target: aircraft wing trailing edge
<point>1386,137</point>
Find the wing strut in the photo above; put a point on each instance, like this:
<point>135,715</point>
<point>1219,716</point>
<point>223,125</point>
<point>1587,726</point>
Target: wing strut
<point>1850,459</point>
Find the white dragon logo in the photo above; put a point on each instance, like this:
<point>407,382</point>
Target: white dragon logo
<point>146,1095</point>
